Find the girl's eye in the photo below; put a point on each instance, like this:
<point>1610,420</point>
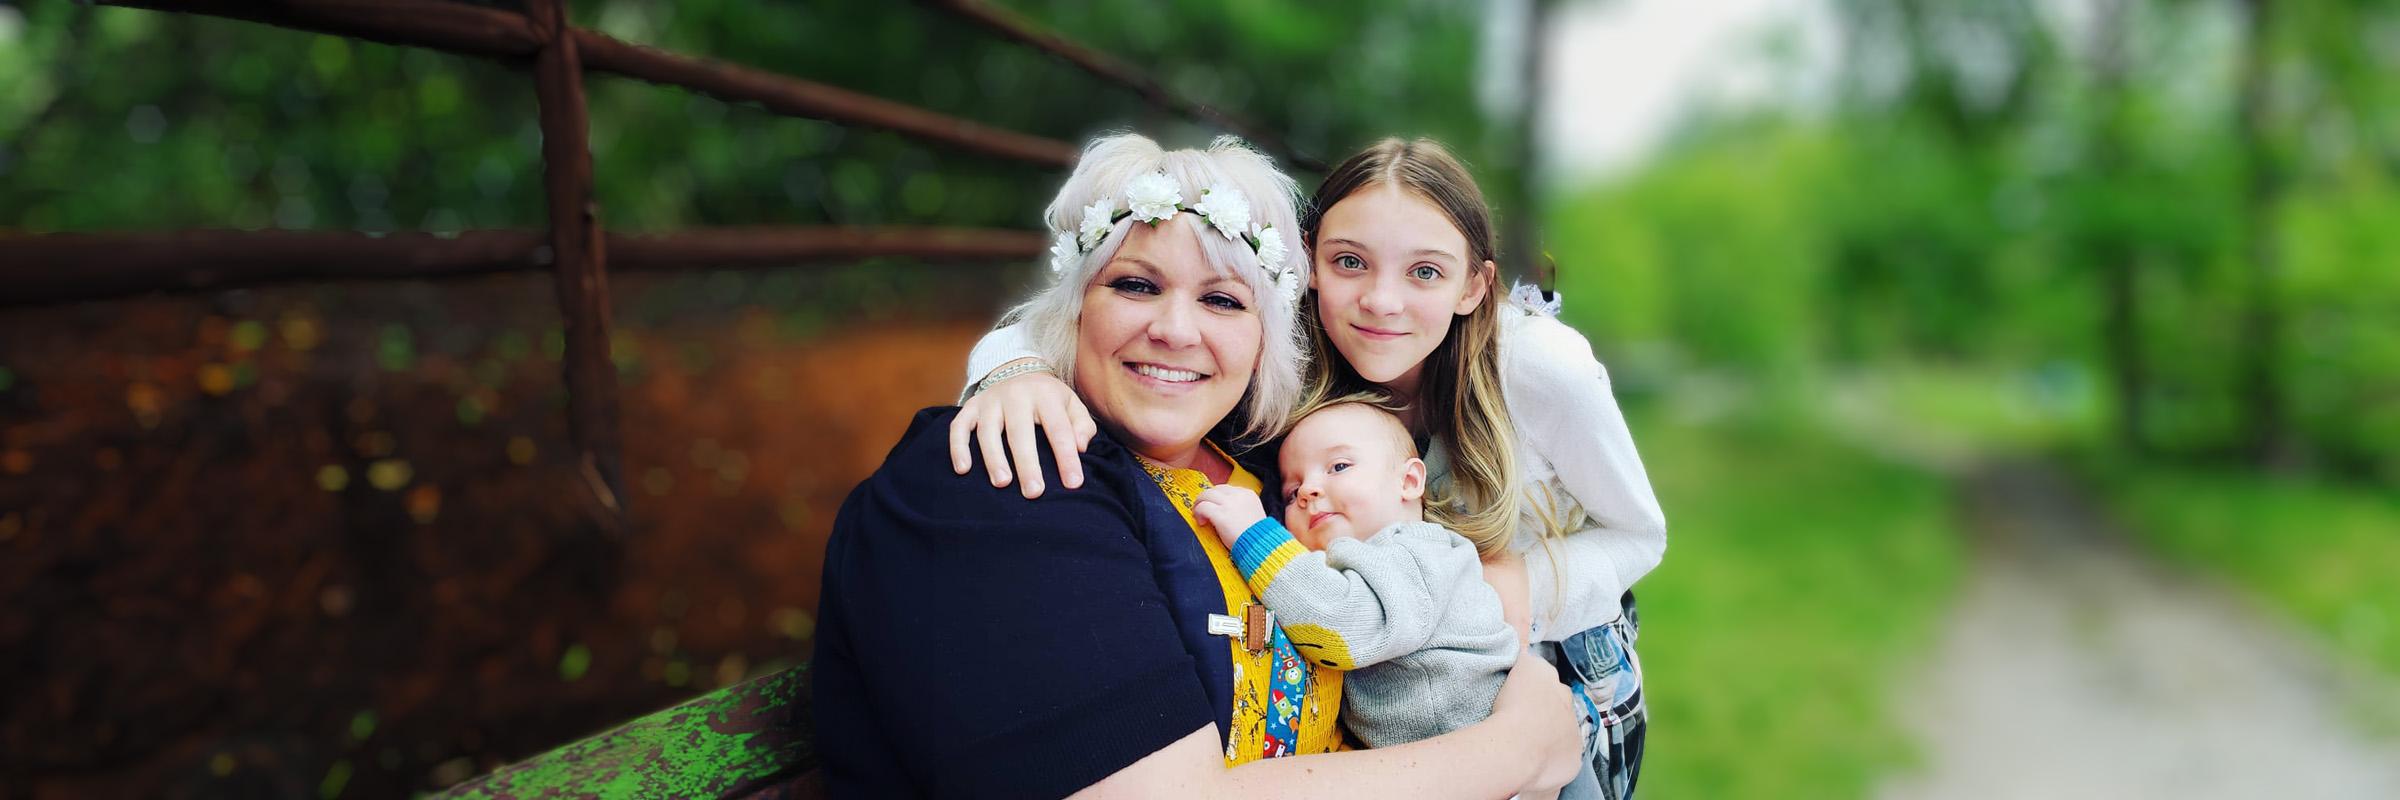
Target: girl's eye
<point>1225,302</point>
<point>1134,285</point>
<point>1350,262</point>
<point>1425,273</point>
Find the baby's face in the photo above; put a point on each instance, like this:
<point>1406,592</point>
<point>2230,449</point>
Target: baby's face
<point>1344,474</point>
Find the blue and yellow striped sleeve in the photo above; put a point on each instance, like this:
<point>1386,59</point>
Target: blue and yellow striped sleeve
<point>1262,551</point>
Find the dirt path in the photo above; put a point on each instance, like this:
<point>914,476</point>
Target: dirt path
<point>2073,668</point>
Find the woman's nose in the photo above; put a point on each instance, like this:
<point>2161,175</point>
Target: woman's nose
<point>1174,326</point>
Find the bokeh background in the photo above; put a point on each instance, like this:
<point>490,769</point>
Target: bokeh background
<point>2021,378</point>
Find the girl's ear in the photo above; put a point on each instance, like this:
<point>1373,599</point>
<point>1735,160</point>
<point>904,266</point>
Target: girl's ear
<point>1479,285</point>
<point>1412,481</point>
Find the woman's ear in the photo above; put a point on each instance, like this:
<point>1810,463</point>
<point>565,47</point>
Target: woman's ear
<point>1412,481</point>
<point>1479,285</point>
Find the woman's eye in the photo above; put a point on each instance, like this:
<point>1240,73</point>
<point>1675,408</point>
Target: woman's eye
<point>1135,285</point>
<point>1224,301</point>
<point>1425,273</point>
<point>1347,261</point>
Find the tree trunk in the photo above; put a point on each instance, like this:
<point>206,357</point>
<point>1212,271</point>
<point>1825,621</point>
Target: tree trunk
<point>1520,244</point>
<point>2261,369</point>
<point>2122,330</point>
<point>2112,250</point>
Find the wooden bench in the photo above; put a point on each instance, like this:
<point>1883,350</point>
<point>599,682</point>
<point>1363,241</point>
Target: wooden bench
<point>750,740</point>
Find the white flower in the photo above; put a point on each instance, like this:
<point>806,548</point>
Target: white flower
<point>1063,256</point>
<point>1531,298</point>
<point>1272,252</point>
<point>1095,224</point>
<point>1153,197</point>
<point>1225,207</point>
<point>1289,282</point>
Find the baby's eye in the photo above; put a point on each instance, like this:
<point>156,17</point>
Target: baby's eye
<point>1339,466</point>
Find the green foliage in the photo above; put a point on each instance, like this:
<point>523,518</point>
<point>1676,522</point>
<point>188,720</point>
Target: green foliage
<point>238,124</point>
<point>2324,552</point>
<point>1800,577</point>
<point>1919,221</point>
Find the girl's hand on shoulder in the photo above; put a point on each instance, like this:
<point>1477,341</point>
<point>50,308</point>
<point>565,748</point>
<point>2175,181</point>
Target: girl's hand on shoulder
<point>1012,410</point>
<point>1536,707</point>
<point>1229,509</point>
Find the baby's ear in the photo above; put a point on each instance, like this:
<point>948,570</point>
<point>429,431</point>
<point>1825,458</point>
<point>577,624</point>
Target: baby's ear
<point>1412,481</point>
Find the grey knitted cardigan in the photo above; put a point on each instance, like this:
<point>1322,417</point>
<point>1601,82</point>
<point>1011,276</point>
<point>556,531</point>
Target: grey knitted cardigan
<point>1406,612</point>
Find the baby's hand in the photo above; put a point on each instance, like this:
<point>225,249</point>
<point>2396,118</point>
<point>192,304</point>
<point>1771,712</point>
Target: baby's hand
<point>1229,509</point>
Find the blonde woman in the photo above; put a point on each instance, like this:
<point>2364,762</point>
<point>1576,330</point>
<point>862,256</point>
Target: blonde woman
<point>1102,643</point>
<point>1525,444</point>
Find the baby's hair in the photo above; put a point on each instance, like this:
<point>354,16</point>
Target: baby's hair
<point>1372,399</point>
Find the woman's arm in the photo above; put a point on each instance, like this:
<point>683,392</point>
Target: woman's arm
<point>970,644</point>
<point>1555,386</point>
<point>1532,743</point>
<point>1012,410</point>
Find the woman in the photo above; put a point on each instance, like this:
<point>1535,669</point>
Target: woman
<point>1525,436</point>
<point>1101,644</point>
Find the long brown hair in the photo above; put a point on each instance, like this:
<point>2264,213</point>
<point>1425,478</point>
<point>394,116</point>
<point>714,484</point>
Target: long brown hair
<point>1459,398</point>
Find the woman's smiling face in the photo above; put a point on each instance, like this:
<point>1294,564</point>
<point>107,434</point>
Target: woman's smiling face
<point>1391,271</point>
<point>1166,345</point>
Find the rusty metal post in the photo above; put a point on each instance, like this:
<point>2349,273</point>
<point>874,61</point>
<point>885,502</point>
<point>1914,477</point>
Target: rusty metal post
<point>579,259</point>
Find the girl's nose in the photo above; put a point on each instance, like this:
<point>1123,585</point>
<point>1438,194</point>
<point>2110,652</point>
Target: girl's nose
<point>1381,300</point>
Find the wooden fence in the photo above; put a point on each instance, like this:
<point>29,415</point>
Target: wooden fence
<point>56,268</point>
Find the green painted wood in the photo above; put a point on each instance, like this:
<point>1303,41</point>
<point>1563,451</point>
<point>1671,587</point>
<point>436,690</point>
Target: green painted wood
<point>745,741</point>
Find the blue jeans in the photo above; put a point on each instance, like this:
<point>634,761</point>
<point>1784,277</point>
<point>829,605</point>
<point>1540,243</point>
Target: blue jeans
<point>1601,665</point>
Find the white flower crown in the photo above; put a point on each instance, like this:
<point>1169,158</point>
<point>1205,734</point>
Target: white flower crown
<point>1156,196</point>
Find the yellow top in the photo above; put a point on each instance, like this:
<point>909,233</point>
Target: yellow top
<point>1282,705</point>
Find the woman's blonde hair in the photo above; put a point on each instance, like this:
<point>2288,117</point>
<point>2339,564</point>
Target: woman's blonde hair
<point>1459,398</point>
<point>1101,174</point>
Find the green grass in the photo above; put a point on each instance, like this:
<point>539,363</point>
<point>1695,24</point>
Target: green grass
<point>1961,414</point>
<point>2326,554</point>
<point>1802,581</point>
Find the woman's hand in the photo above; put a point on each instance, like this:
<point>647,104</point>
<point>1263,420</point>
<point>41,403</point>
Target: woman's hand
<point>1533,704</point>
<point>1229,509</point>
<point>1013,408</point>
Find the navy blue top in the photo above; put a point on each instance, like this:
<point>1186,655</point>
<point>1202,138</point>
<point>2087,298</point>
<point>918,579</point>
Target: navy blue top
<point>972,643</point>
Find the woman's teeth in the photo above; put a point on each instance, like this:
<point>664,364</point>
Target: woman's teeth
<point>1165,374</point>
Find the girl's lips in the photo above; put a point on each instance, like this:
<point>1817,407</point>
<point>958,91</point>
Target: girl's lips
<point>1377,334</point>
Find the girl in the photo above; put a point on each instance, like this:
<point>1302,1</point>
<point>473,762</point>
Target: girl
<point>1525,445</point>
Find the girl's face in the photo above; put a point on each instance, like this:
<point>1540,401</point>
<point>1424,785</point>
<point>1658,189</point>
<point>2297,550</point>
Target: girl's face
<point>1165,346</point>
<point>1390,273</point>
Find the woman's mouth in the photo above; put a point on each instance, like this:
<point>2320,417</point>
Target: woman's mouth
<point>1165,376</point>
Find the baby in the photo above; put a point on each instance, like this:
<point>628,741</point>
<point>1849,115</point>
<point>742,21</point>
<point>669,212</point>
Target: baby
<point>1360,581</point>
